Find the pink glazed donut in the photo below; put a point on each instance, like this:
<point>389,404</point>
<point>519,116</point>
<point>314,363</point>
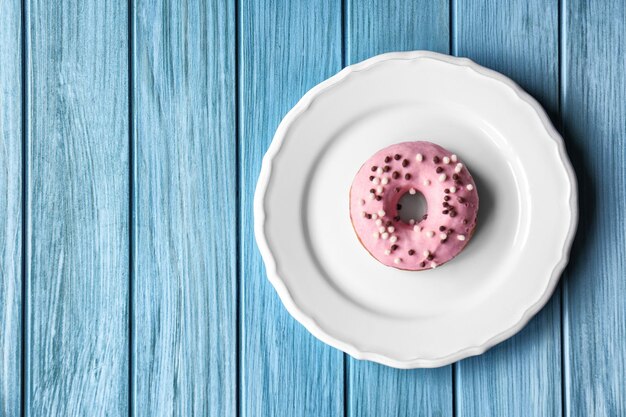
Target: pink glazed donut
<point>450,194</point>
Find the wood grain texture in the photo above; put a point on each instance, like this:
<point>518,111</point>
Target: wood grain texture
<point>521,376</point>
<point>373,28</point>
<point>594,112</point>
<point>379,26</point>
<point>10,206</point>
<point>184,291</point>
<point>286,48</point>
<point>78,200</point>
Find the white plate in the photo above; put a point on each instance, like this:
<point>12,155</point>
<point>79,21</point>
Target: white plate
<point>526,222</point>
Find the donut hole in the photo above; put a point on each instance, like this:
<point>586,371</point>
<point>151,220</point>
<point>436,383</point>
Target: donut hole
<point>413,206</point>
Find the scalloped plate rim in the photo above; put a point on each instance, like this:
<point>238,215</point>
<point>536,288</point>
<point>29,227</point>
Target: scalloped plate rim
<point>270,262</point>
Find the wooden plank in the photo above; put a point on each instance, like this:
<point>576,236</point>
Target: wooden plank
<point>379,26</point>
<point>184,299</point>
<point>10,206</point>
<point>521,376</point>
<point>78,200</point>
<point>594,113</point>
<point>286,48</point>
<point>373,28</point>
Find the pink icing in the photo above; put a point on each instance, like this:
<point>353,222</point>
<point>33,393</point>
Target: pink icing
<point>422,245</point>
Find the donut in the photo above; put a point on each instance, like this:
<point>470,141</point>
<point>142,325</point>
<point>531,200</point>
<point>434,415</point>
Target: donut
<point>451,198</point>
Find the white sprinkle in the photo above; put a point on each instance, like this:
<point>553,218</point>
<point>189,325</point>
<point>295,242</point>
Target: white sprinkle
<point>393,239</point>
<point>416,228</point>
<point>397,261</point>
<point>362,202</point>
<point>453,189</point>
<point>363,214</point>
<point>387,252</point>
<point>412,222</point>
<point>391,229</point>
<point>385,236</point>
<point>376,235</point>
<point>379,171</point>
<point>458,167</point>
<point>376,181</point>
<point>384,181</point>
<point>372,196</point>
<point>442,177</point>
<point>379,222</point>
<point>379,189</point>
<point>446,160</point>
<point>382,229</point>
<point>433,265</point>
<point>412,191</point>
<point>453,158</point>
<point>419,157</point>
<point>430,233</point>
<point>381,213</point>
<point>426,253</point>
<point>469,187</point>
<point>374,216</point>
<point>461,237</point>
<point>426,182</point>
<point>443,236</point>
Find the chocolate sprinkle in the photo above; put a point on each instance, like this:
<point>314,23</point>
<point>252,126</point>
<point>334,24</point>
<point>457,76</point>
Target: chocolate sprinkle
<point>394,247</point>
<point>397,157</point>
<point>397,218</point>
<point>387,159</point>
<point>461,200</point>
<point>387,168</point>
<point>425,216</point>
<point>447,191</point>
<point>395,175</point>
<point>445,212</point>
<point>442,228</point>
<point>374,168</point>
<point>457,182</point>
<point>372,190</point>
<point>453,214</point>
<point>422,264</point>
<point>430,257</point>
<point>411,252</point>
<point>445,204</point>
<point>446,198</point>
<point>368,216</point>
<point>399,206</point>
<point>464,221</point>
<point>388,223</point>
<point>439,170</point>
<point>436,159</point>
<point>378,198</point>
<point>455,176</point>
<point>405,163</point>
<point>371,178</point>
<point>397,189</point>
<point>407,176</point>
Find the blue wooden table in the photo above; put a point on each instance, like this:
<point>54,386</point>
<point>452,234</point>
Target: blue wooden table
<point>131,137</point>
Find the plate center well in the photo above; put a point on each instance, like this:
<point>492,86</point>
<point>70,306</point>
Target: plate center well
<point>457,286</point>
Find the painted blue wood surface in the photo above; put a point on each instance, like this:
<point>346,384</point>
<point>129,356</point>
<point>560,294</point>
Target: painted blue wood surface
<point>185,232</point>
<point>373,28</point>
<point>207,334</point>
<point>593,98</point>
<point>522,376</point>
<point>286,48</point>
<point>77,209</point>
<point>10,206</point>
